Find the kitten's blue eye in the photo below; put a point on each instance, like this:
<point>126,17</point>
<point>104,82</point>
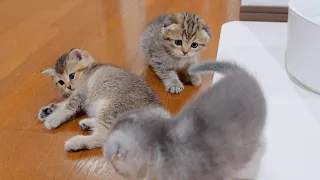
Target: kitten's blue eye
<point>71,76</point>
<point>61,82</point>
<point>194,45</point>
<point>178,42</point>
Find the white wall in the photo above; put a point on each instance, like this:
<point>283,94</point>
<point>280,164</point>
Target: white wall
<point>265,2</point>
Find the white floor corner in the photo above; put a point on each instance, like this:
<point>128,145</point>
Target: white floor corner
<point>293,125</point>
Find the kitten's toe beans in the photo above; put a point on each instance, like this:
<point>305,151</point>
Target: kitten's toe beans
<point>85,126</point>
<point>42,116</point>
<point>45,112</point>
<point>76,143</point>
<point>175,88</point>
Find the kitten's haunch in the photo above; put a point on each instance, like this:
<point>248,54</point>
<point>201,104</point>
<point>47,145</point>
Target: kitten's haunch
<point>210,139</point>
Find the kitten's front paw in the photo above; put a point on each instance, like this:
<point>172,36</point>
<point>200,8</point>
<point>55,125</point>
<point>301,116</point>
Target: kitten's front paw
<point>195,79</point>
<point>51,123</point>
<point>46,111</point>
<point>174,87</point>
<point>75,144</point>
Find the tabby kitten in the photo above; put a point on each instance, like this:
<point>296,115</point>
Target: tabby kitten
<point>210,139</point>
<point>101,90</point>
<point>173,42</point>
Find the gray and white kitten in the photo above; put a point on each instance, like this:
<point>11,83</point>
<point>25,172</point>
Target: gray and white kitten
<point>210,139</point>
<point>101,90</point>
<point>173,42</point>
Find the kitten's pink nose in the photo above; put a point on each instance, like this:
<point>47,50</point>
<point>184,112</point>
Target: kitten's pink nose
<point>69,87</point>
<point>185,52</point>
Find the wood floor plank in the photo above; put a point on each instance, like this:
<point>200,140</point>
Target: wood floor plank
<point>33,155</point>
<point>9,8</point>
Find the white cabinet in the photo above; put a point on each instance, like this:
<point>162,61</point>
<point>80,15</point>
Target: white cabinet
<point>280,3</point>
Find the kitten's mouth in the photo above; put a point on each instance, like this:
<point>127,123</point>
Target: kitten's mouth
<point>65,95</point>
<point>70,89</point>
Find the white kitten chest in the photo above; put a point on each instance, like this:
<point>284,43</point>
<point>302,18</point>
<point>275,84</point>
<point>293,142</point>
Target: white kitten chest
<point>183,63</point>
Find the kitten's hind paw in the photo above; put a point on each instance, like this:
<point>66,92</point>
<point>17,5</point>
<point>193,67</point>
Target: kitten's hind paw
<point>78,143</point>
<point>174,87</point>
<point>87,124</point>
<point>46,111</point>
<point>52,123</point>
<point>74,144</point>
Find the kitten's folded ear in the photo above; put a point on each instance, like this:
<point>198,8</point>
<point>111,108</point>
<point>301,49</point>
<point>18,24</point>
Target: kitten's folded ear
<point>170,23</point>
<point>76,54</point>
<point>205,28</point>
<point>171,19</point>
<point>49,72</point>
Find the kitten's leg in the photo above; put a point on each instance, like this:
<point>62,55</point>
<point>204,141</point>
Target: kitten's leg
<point>47,110</point>
<point>88,124</point>
<point>195,79</point>
<point>63,112</point>
<point>104,122</point>
<point>81,142</point>
<point>170,79</point>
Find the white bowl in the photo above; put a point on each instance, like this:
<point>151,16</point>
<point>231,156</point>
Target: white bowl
<point>303,45</point>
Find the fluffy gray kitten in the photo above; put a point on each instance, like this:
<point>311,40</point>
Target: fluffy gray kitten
<point>101,90</point>
<point>172,43</point>
<point>210,139</point>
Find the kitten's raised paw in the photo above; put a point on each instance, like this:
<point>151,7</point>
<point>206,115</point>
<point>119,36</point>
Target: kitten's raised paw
<point>174,87</point>
<point>195,80</point>
<point>46,111</point>
<point>75,144</point>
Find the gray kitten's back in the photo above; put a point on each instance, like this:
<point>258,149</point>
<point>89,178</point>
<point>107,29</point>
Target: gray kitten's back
<point>222,127</point>
<point>210,139</point>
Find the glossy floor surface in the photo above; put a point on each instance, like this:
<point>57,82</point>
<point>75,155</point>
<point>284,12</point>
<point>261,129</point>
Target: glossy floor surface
<point>34,33</point>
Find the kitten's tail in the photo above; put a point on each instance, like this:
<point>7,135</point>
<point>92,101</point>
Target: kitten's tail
<point>222,67</point>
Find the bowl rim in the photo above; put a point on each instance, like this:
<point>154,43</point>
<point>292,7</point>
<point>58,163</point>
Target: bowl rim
<point>297,80</point>
<point>294,10</point>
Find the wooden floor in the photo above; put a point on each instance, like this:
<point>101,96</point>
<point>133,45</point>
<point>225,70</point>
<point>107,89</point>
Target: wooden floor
<point>34,33</point>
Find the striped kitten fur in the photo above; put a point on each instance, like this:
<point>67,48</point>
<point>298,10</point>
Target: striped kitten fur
<point>103,91</point>
<point>173,42</point>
